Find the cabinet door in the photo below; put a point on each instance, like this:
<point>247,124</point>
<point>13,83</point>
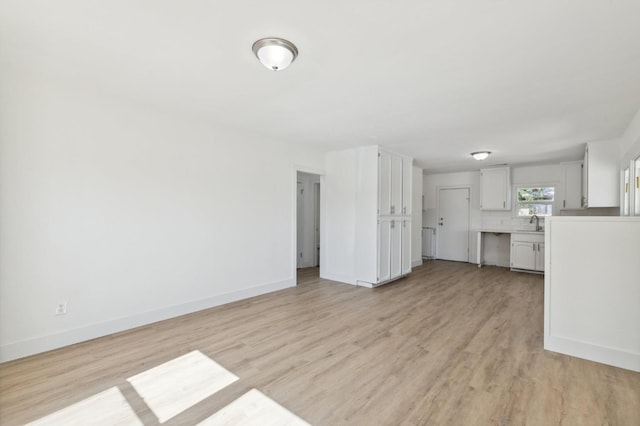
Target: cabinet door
<point>396,185</point>
<point>396,248</point>
<point>540,257</point>
<point>406,247</point>
<point>384,250</point>
<point>384,183</point>
<point>407,179</point>
<point>494,189</point>
<point>523,255</point>
<point>585,180</point>
<point>636,185</point>
<point>572,186</point>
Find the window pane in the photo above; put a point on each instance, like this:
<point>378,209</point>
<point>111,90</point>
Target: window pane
<point>536,194</point>
<point>529,209</point>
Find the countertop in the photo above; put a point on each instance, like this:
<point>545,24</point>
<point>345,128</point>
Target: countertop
<point>510,231</point>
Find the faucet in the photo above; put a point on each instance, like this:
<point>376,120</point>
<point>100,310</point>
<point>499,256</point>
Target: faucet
<point>537,222</point>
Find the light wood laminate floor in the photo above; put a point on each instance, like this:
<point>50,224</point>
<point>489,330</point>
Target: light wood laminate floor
<point>452,344</point>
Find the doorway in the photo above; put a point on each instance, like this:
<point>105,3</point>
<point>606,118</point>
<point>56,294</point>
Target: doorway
<point>307,220</point>
<point>453,224</point>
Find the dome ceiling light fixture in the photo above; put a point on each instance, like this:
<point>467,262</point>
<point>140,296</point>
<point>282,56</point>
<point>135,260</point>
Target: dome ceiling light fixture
<point>275,53</point>
<point>480,155</point>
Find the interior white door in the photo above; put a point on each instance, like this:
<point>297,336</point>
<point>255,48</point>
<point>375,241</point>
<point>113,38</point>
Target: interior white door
<point>299,224</point>
<point>453,224</point>
<point>317,224</point>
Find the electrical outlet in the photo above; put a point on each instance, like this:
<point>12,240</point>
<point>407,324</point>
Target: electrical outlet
<point>61,308</point>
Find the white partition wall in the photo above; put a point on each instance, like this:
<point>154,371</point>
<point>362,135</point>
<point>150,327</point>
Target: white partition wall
<point>592,289</point>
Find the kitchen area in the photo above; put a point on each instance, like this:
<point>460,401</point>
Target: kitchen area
<point>576,222</point>
<point>505,223</point>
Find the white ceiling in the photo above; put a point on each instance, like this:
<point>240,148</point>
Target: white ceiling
<point>435,79</point>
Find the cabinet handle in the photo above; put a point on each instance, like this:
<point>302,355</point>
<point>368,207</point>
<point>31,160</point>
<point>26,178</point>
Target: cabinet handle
<point>404,223</point>
<point>533,246</point>
<point>504,204</point>
<point>637,181</point>
<point>404,210</point>
<point>393,209</point>
<point>393,224</point>
<point>564,203</point>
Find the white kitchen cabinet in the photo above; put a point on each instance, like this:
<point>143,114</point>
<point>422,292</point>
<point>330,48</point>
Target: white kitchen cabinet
<point>406,246</point>
<point>391,177</point>
<point>527,252</point>
<point>495,188</point>
<point>383,214</point>
<point>572,193</point>
<point>367,235</point>
<point>600,175</point>
<point>384,183</point>
<point>636,185</point>
<point>540,258</point>
<point>384,250</point>
<point>407,178</point>
<point>392,246</point>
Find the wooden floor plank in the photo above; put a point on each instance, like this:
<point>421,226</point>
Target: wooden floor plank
<point>450,344</point>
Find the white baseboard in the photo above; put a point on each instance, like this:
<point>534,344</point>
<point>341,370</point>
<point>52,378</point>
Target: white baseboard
<point>602,354</point>
<point>416,263</point>
<point>40,344</point>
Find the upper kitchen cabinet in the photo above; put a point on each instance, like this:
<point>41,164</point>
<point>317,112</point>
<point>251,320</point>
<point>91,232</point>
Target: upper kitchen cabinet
<point>600,178</point>
<point>389,183</point>
<point>394,184</point>
<point>572,195</point>
<point>495,188</point>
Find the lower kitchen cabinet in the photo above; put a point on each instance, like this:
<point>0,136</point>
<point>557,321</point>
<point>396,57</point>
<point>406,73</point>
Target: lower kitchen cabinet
<point>527,252</point>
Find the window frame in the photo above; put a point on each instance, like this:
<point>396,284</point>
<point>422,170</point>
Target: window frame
<point>553,203</point>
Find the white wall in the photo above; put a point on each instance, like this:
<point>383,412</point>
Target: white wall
<point>130,215</point>
<point>592,289</point>
<point>416,217</point>
<point>338,205</point>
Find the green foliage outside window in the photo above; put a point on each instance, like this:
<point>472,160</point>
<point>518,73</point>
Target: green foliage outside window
<point>538,201</point>
<point>536,194</point>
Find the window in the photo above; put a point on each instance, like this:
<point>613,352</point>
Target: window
<point>535,200</point>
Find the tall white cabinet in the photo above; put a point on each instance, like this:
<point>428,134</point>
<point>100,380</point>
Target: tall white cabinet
<point>368,233</point>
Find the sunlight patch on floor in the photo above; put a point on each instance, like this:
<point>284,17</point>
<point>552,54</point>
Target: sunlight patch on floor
<point>106,408</point>
<point>254,409</point>
<point>173,387</point>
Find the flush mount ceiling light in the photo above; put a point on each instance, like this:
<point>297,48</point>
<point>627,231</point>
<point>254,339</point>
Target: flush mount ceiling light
<point>480,155</point>
<point>275,53</point>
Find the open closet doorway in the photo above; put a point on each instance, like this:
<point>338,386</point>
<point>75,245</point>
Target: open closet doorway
<point>307,220</point>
